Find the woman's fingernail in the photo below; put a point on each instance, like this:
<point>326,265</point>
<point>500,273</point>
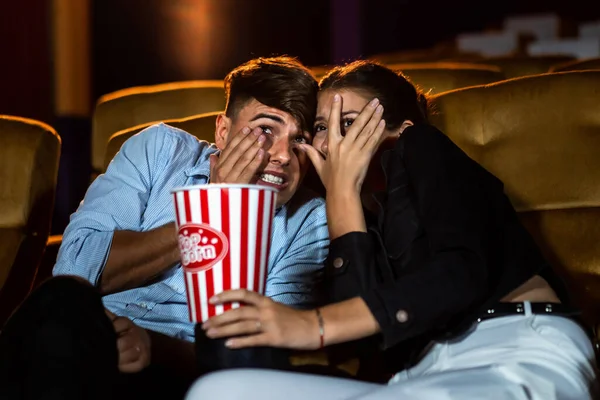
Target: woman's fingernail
<point>379,109</point>
<point>213,300</point>
<point>246,130</point>
<point>374,102</point>
<point>210,332</point>
<point>230,343</point>
<point>336,98</point>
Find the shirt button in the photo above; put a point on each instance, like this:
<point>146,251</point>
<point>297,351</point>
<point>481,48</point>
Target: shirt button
<point>143,305</point>
<point>338,262</point>
<point>402,316</point>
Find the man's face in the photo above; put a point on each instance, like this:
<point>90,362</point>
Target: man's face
<point>285,164</point>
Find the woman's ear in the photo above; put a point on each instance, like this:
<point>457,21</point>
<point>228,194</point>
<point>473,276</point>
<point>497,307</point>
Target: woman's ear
<point>222,128</point>
<point>404,125</point>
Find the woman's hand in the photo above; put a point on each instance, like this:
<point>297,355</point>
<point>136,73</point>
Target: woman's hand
<point>262,322</point>
<point>348,156</point>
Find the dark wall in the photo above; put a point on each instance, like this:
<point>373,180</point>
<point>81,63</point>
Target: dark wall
<point>139,42</point>
<point>414,24</point>
<point>25,70</point>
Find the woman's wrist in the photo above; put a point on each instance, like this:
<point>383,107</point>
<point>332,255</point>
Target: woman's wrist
<point>346,321</point>
<point>344,213</point>
<point>312,329</point>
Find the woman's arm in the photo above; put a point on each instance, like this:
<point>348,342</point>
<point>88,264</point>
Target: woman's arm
<point>264,322</point>
<point>345,168</point>
<point>347,321</point>
<point>344,213</point>
<point>451,204</point>
<point>451,195</point>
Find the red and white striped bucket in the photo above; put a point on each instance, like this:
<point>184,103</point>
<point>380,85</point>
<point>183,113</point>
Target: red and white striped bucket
<point>224,235</point>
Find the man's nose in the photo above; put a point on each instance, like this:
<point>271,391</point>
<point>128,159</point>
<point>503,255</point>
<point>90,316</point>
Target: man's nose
<point>280,152</point>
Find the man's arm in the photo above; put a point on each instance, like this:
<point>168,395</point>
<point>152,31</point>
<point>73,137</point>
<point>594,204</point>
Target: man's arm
<point>136,257</point>
<point>104,242</point>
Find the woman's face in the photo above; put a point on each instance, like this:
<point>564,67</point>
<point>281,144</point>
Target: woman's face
<point>352,104</point>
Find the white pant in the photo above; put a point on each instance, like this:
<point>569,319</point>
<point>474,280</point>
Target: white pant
<point>533,357</point>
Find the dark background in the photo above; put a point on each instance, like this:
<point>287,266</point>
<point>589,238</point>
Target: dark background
<point>140,42</point>
<point>144,42</point>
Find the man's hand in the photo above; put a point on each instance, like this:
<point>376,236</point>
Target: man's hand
<point>133,343</point>
<point>240,160</point>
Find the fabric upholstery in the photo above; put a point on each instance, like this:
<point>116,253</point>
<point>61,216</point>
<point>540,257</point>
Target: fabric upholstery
<point>138,105</point>
<point>517,66</point>
<point>541,136</point>
<point>578,65</point>
<point>437,77</point>
<point>29,154</point>
<point>443,76</point>
<point>202,126</point>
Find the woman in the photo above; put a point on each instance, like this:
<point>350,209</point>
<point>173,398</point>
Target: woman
<point>437,257</point>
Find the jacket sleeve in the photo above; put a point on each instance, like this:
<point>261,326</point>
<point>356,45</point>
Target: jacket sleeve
<point>447,192</point>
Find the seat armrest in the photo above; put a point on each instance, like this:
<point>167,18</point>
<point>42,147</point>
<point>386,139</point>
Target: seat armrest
<point>48,260</point>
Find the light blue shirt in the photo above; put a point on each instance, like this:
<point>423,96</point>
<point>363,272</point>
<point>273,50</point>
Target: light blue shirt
<point>135,194</point>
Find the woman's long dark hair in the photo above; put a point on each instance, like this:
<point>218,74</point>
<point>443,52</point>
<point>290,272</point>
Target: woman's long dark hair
<point>400,98</point>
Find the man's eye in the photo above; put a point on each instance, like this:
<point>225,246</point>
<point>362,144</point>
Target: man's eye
<point>266,130</point>
<point>300,139</point>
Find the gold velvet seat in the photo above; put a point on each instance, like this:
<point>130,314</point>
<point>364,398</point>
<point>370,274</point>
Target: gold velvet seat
<point>202,126</point>
<point>541,136</point>
<point>29,155</point>
<point>437,77</point>
<point>517,66</point>
<point>578,65</point>
<point>440,77</point>
<point>138,105</point>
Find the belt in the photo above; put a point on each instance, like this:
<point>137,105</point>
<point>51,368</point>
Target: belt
<point>508,309</point>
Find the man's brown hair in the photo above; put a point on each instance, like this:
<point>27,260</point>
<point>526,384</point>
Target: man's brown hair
<point>278,82</point>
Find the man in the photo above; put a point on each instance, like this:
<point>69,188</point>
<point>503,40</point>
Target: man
<point>122,240</point>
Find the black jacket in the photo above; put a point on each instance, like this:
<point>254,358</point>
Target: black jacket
<point>446,245</point>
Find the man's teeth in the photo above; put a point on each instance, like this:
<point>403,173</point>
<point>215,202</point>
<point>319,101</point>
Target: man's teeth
<point>271,179</point>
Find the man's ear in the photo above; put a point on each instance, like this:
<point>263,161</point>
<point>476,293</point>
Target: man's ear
<point>222,128</point>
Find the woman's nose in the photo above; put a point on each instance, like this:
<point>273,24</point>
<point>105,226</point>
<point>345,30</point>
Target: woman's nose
<point>324,147</point>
